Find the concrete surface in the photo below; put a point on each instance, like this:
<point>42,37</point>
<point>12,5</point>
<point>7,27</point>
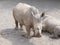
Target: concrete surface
<point>9,36</point>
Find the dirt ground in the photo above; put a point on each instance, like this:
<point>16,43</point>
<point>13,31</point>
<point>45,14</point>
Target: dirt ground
<point>9,36</point>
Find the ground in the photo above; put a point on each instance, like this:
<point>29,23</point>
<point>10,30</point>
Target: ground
<point>9,36</point>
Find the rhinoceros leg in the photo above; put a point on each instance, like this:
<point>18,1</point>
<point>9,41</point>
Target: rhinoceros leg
<point>55,36</point>
<point>21,26</point>
<point>16,24</point>
<point>28,31</point>
<point>27,35</point>
<point>33,32</point>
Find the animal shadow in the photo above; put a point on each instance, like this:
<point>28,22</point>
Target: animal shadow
<point>14,36</point>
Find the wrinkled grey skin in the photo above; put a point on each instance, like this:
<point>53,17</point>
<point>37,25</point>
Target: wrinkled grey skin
<point>29,16</point>
<point>52,25</point>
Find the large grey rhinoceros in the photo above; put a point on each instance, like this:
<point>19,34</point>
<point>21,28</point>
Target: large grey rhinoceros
<point>29,16</point>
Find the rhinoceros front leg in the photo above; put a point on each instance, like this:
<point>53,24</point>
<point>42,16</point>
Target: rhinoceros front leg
<point>28,31</point>
<point>55,36</point>
<point>33,32</point>
<point>27,35</point>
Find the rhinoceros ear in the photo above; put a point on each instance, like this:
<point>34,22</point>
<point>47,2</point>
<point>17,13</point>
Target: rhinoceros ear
<point>43,14</point>
<point>42,17</point>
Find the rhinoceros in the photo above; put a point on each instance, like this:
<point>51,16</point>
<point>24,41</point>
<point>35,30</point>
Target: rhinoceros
<point>51,25</point>
<point>28,15</point>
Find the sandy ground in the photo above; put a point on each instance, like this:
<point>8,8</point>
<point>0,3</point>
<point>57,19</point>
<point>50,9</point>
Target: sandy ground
<point>9,36</point>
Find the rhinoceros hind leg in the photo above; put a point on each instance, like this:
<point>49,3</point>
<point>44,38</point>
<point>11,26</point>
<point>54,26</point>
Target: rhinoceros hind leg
<point>21,26</point>
<point>16,25</point>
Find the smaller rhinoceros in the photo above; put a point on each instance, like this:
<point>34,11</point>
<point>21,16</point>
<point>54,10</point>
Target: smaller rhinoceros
<point>29,16</point>
<point>51,25</point>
